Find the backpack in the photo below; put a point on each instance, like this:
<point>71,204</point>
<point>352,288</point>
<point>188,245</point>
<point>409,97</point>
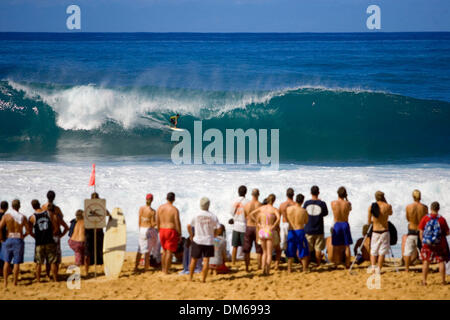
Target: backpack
<point>432,232</point>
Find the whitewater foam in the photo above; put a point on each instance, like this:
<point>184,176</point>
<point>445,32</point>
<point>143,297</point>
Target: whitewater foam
<point>87,107</point>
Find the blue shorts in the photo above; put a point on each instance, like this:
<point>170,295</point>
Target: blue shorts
<point>341,235</point>
<point>296,241</point>
<point>12,250</point>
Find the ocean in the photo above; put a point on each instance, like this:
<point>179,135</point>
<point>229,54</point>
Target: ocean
<point>365,110</point>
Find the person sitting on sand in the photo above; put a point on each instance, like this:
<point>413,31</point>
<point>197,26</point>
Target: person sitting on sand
<point>238,220</point>
<point>365,250</point>
<point>414,214</point>
<point>250,231</point>
<point>317,210</point>
<point>217,263</point>
<point>148,235</point>
<point>13,247</point>
<point>267,219</point>
<point>43,229</point>
<point>77,242</point>
<point>379,213</point>
<point>205,224</point>
<point>341,236</point>
<point>169,226</point>
<point>433,231</point>
<point>297,245</point>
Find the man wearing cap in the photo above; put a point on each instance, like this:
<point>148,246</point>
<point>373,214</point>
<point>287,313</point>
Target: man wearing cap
<point>205,224</point>
<point>379,213</point>
<point>148,235</point>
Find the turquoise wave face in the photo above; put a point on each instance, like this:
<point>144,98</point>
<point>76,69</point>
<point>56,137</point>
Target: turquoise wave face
<point>316,124</point>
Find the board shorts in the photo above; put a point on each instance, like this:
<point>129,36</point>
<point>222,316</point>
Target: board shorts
<point>315,242</point>
<point>13,250</point>
<point>249,238</point>
<point>148,240</point>
<point>284,231</point>
<point>296,242</point>
<point>169,239</point>
<point>237,239</point>
<point>45,253</point>
<point>410,245</point>
<point>78,248</point>
<point>341,235</point>
<point>380,243</point>
<point>199,251</point>
<point>434,254</point>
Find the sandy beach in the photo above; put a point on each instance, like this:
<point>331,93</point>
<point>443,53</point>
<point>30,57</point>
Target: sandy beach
<point>239,285</point>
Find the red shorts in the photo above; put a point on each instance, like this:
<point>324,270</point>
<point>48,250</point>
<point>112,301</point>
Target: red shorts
<point>169,239</point>
<point>434,254</point>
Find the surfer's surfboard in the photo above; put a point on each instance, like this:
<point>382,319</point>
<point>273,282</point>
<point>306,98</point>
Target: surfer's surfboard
<point>175,129</point>
<point>114,244</point>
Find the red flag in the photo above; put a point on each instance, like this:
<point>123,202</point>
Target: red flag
<point>92,179</point>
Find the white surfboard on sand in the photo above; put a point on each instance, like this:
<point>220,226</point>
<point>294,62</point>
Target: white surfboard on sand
<point>114,244</point>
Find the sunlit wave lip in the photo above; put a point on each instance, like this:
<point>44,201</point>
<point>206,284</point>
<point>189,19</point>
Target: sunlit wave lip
<point>87,107</point>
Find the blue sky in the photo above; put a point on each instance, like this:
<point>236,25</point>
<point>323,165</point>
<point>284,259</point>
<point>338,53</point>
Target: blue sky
<point>224,15</point>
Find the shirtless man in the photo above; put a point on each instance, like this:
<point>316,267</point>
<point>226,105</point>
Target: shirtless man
<point>267,219</point>
<point>148,235</point>
<point>379,213</point>
<point>169,226</point>
<point>238,220</point>
<point>61,223</point>
<point>284,225</point>
<point>77,242</point>
<point>250,231</point>
<point>341,238</point>
<point>3,210</point>
<point>43,228</point>
<point>297,217</point>
<point>13,246</point>
<point>414,213</point>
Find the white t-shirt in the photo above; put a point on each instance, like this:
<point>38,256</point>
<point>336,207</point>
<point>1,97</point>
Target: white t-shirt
<point>238,214</point>
<point>205,223</point>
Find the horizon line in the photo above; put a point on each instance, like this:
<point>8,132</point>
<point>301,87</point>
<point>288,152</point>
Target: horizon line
<point>226,32</point>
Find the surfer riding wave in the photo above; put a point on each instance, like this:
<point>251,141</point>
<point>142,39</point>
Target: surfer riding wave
<point>174,121</point>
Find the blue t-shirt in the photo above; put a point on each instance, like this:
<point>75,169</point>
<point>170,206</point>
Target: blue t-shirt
<point>317,209</point>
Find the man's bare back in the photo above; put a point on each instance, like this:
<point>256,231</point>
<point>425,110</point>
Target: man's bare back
<point>381,223</point>
<point>341,210</point>
<point>79,232</point>
<point>59,219</point>
<point>168,217</point>
<point>249,207</point>
<point>414,213</point>
<point>297,217</point>
<point>147,217</point>
<point>13,227</point>
<point>284,206</point>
